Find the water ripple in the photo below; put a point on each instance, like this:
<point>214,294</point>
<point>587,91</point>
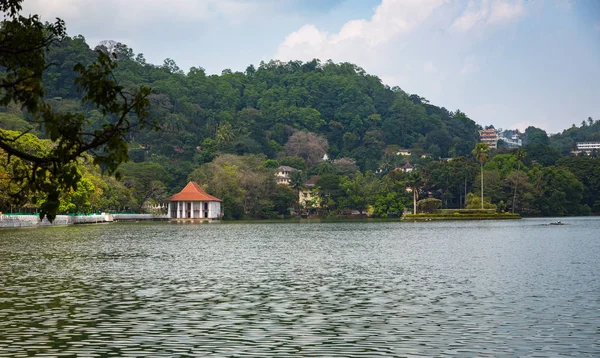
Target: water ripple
<point>351,290</point>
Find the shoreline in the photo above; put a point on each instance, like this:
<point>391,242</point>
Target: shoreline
<point>33,221</point>
<point>8,221</point>
<point>468,218</point>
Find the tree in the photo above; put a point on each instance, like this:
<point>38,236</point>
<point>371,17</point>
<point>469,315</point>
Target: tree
<point>541,153</point>
<point>587,171</point>
<point>294,162</point>
<point>146,180</point>
<point>415,181</point>
<point>330,191</point>
<point>307,145</point>
<point>271,164</point>
<point>559,192</point>
<point>345,166</point>
<point>474,202</point>
<point>481,153</point>
<point>389,202</point>
<point>297,180</point>
<point>24,42</point>
<point>535,135</point>
<point>523,202</point>
<point>520,155</point>
<point>360,191</point>
<point>242,182</point>
<point>429,205</point>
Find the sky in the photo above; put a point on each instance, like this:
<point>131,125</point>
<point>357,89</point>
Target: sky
<point>507,63</point>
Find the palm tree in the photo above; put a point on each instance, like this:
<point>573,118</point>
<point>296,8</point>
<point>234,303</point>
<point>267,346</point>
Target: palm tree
<point>225,134</point>
<point>481,153</point>
<point>520,154</point>
<point>415,181</point>
<point>297,182</point>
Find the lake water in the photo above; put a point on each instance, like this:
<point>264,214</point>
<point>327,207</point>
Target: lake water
<point>359,289</point>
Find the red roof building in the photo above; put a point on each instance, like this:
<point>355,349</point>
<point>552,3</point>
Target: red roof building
<point>192,202</point>
<point>407,167</point>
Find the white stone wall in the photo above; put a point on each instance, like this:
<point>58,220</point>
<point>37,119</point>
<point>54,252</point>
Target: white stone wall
<point>8,221</point>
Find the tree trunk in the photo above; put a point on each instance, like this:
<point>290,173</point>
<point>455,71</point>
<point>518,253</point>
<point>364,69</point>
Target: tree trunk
<point>516,184</point>
<point>414,201</point>
<point>465,196</point>
<point>482,186</point>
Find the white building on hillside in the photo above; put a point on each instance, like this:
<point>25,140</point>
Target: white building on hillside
<point>587,147</point>
<point>283,174</point>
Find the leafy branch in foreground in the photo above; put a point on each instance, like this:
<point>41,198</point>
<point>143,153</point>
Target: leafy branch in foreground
<point>46,173</point>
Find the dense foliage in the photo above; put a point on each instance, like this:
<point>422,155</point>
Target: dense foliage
<point>230,132</point>
<point>26,44</point>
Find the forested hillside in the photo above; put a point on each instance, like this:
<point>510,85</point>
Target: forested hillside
<point>231,130</point>
<point>256,111</point>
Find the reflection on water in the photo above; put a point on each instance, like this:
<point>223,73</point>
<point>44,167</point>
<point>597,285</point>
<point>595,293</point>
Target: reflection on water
<point>310,290</point>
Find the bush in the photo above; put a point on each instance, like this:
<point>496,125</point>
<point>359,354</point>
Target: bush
<point>474,202</point>
<point>429,205</point>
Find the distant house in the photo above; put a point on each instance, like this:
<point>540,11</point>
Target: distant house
<point>283,174</point>
<point>193,203</point>
<point>308,196</point>
<point>404,152</point>
<point>406,168</point>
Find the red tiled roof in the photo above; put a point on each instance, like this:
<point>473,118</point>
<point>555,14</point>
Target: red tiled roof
<point>312,181</point>
<point>193,192</point>
<point>406,165</point>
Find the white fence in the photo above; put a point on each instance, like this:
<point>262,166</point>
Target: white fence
<point>8,221</point>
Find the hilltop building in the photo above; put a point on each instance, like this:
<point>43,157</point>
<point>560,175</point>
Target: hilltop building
<point>283,174</point>
<point>489,137</point>
<point>587,147</point>
<point>193,203</point>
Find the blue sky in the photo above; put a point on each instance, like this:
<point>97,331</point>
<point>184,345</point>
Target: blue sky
<point>510,63</point>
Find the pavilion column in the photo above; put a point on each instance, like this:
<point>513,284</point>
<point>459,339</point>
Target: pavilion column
<point>169,209</point>
<point>178,210</point>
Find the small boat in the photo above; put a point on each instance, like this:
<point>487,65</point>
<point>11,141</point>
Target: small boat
<point>557,223</point>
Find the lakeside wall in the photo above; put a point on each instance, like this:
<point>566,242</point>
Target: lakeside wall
<point>21,221</point>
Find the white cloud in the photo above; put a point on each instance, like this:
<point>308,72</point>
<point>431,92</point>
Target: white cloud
<point>473,14</point>
<point>503,12</point>
<point>429,67</point>
<point>488,12</point>
<point>391,19</point>
<point>136,12</point>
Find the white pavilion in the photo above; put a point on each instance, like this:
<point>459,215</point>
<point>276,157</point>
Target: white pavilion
<point>193,203</point>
